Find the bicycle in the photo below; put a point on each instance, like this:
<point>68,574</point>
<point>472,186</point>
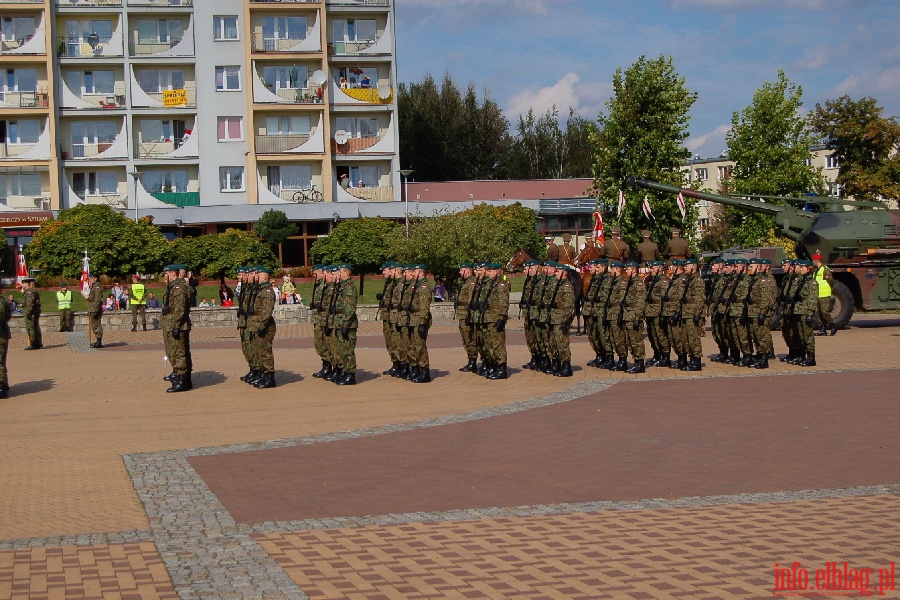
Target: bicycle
<point>310,195</point>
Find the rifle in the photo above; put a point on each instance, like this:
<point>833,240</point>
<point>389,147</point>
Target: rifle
<point>621,320</point>
<point>745,317</point>
<point>473,301</point>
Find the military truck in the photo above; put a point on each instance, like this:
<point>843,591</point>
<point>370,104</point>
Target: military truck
<point>859,241</point>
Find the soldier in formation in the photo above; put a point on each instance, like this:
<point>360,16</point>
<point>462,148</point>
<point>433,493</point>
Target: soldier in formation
<point>532,290</point>
<point>261,328</point>
<point>176,326</point>
<point>461,305</point>
<point>393,279</point>
<point>647,250</point>
<point>416,306</point>
<point>31,309</point>
<point>799,296</point>
<point>488,311</point>
<point>342,323</point>
<point>5,314</point>
<point>95,311</point>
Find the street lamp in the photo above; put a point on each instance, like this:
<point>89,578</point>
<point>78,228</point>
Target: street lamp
<point>137,179</point>
<point>406,173</point>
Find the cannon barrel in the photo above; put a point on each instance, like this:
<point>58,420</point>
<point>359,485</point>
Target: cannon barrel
<point>751,205</point>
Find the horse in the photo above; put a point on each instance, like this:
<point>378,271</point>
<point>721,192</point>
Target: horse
<point>514,264</point>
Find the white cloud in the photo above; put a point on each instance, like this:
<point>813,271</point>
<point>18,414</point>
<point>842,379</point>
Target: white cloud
<point>709,144</point>
<point>562,94</point>
<point>814,58</point>
<point>732,5</point>
<point>540,7</point>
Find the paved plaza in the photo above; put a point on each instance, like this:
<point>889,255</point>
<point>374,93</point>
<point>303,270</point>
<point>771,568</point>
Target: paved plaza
<point>603,485</point>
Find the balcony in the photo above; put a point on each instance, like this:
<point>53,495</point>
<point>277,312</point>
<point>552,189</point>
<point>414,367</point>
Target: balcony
<point>277,144</point>
<point>165,149</point>
<point>178,98</point>
<point>342,3</point>
<point>40,99</point>
<point>87,3</point>
<point>372,194</point>
<point>92,46</point>
<point>262,43</point>
<point>69,150</point>
<point>41,202</point>
<point>166,3</point>
<point>383,94</point>
<point>355,145</point>
<point>285,1</point>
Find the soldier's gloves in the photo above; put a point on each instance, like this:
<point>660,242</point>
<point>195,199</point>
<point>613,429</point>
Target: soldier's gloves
<point>761,320</point>
<point>328,331</point>
<point>564,328</point>
<point>500,325</point>
<point>176,333</point>
<point>422,331</point>
<point>696,319</point>
<point>261,331</point>
<point>809,319</point>
<point>677,316</point>
<point>636,325</point>
<point>345,332</point>
<point>379,296</point>
<point>399,328</point>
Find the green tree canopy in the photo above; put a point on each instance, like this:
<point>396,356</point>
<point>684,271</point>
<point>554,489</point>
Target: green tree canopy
<point>541,149</point>
<point>865,143</point>
<point>642,134</point>
<point>220,254</point>
<point>482,232</point>
<point>116,245</point>
<point>769,143</point>
<point>364,243</point>
<point>274,227</point>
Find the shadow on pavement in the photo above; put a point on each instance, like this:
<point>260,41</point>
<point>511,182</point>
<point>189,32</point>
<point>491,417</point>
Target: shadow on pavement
<point>206,378</point>
<point>31,387</point>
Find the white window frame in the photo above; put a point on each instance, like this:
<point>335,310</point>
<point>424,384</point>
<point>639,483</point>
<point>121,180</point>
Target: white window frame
<point>225,72</point>
<point>15,74</point>
<point>160,39</point>
<point>290,121</point>
<point>92,181</point>
<point>164,79</point>
<point>831,162</point>
<point>227,122</point>
<point>227,177</point>
<point>17,124</point>
<point>352,125</point>
<point>702,173</point>
<point>220,29</point>
<point>280,29</point>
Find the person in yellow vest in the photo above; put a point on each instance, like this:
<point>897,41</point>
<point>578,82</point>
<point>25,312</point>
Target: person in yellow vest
<point>64,306</point>
<point>825,279</point>
<point>138,303</point>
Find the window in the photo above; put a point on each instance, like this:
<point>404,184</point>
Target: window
<point>91,82</point>
<point>284,125</point>
<point>702,173</point>
<point>231,179</point>
<point>165,181</point>
<point>358,127</point>
<point>20,80</point>
<point>23,132</point>
<point>355,76</point>
<point>95,183</point>
<point>230,129</point>
<point>155,81</point>
<point>20,184</point>
<point>283,28</point>
<point>228,79</point>
<point>78,32</point>
<point>834,189</point>
<point>703,224</point>
<point>17,29</point>
<point>293,177</point>
<point>808,161</point>
<point>160,31</point>
<point>369,176</point>
<point>89,133</point>
<point>285,77</point>
<point>153,130</point>
<point>225,28</point>
<point>831,162</point>
<point>724,172</point>
<point>354,30</point>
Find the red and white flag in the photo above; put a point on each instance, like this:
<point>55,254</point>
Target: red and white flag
<point>621,203</point>
<point>646,206</point>
<point>21,268</point>
<point>85,273</point>
<point>681,206</point>
<point>599,235</point>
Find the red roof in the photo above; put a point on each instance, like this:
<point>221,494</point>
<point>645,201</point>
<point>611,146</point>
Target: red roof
<point>521,189</point>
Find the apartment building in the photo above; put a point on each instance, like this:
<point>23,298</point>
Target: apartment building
<point>203,114</point>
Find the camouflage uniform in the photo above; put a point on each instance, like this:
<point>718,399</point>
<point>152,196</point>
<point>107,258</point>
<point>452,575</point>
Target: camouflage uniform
<point>788,328</point>
<point>728,293</point>
<point>384,312</point>
<point>561,313</point>
<point>176,310</point>
<point>600,318</point>
<point>633,306</point>
<point>525,308</point>
<point>614,317</point>
<point>671,314</point>
<point>31,309</point>
<point>404,307</point>
<point>395,312</point>
<point>738,331</point>
<point>344,323</point>
<point>693,314</point>
<point>95,314</point>
<point>804,304</point>
<point>656,333</point>
<point>419,324</point>
<point>763,295</point>
<point>244,302</point>
<point>587,309</point>
<point>495,316</point>
<point>261,329</point>
<point>5,314</point>
<point>717,314</point>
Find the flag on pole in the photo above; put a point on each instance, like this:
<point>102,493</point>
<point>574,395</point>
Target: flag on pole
<point>646,206</point>
<point>681,206</point>
<point>599,236</point>
<point>621,203</point>
<point>85,273</point>
<point>21,268</point>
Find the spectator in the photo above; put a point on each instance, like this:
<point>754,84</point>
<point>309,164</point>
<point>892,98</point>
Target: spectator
<point>212,303</point>
<point>110,303</point>
<point>439,291</point>
<point>123,300</point>
<point>13,305</point>
<point>366,83</point>
<point>117,291</point>
<point>226,295</point>
<point>345,181</point>
<point>288,289</point>
<point>194,283</point>
<point>152,301</point>
<point>277,293</point>
<point>343,83</point>
<point>203,303</point>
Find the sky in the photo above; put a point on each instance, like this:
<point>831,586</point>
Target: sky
<point>536,53</point>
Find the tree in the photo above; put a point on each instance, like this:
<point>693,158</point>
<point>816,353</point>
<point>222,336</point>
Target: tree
<point>448,136</point>
<point>364,243</point>
<point>642,134</point>
<point>769,143</point>
<point>542,149</point>
<point>115,244</point>
<point>865,144</point>
<point>274,227</point>
<point>219,255</point>
<point>482,232</point>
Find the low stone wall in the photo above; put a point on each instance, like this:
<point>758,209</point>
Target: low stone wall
<point>120,320</point>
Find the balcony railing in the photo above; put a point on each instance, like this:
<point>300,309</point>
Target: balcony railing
<point>286,1</point>
<point>372,194</point>
<point>41,202</point>
<point>87,3</point>
<point>348,48</point>
<point>136,48</point>
<point>306,95</point>
<point>25,99</point>
<point>2,2</point>
<point>74,151</point>
<point>160,2</point>
<point>370,94</point>
<point>358,2</point>
<point>276,144</point>
<point>353,145</point>
<point>115,200</point>
<point>189,99</point>
<point>10,151</point>
<point>17,45</point>
<point>261,43</point>
<point>94,45</point>
<point>154,149</point>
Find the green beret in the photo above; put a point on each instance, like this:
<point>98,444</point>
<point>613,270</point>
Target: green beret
<point>677,262</point>
<point>172,267</point>
<point>631,263</point>
<point>317,267</point>
<point>616,264</point>
<point>764,261</point>
<point>787,261</point>
<point>347,266</point>
<point>716,261</point>
<point>691,261</point>
<point>551,263</point>
<point>64,284</point>
<point>410,267</point>
<point>387,265</point>
<point>468,265</point>
<point>741,261</point>
<point>262,269</point>
<point>531,263</point>
<point>803,262</point>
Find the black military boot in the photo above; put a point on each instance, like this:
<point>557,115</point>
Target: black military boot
<point>553,367</point>
<point>621,365</point>
<point>500,372</point>
<point>423,375</point>
<point>134,327</point>
<point>679,362</point>
<point>403,371</point>
<point>145,327</point>
<point>412,373</point>
<point>244,378</point>
<point>664,360</point>
<point>266,381</point>
<point>763,362</point>
<point>186,381</point>
<point>693,364</point>
<point>171,375</point>
<point>332,373</point>
<point>565,369</point>
<point>177,385</point>
<point>530,364</point>
<point>746,361</point>
<point>638,366</point>
<point>347,378</point>
<point>97,344</point>
<point>393,370</point>
<point>541,364</point>
<point>809,361</point>
<point>326,366</point>
<point>822,332</point>
<point>4,391</point>
<point>609,363</point>
<point>833,330</point>
<point>257,375</point>
<point>799,358</point>
<point>469,366</point>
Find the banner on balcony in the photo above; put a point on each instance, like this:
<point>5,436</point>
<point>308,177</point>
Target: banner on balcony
<point>174,98</point>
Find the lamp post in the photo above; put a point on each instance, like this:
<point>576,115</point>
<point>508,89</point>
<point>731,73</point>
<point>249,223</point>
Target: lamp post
<point>406,173</point>
<point>137,179</point>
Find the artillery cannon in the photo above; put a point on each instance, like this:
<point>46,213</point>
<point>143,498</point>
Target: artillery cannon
<point>859,241</point>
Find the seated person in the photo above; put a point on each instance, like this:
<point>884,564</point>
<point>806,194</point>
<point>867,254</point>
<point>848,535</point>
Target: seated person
<point>153,301</point>
<point>203,303</point>
<point>110,303</point>
<point>366,83</point>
